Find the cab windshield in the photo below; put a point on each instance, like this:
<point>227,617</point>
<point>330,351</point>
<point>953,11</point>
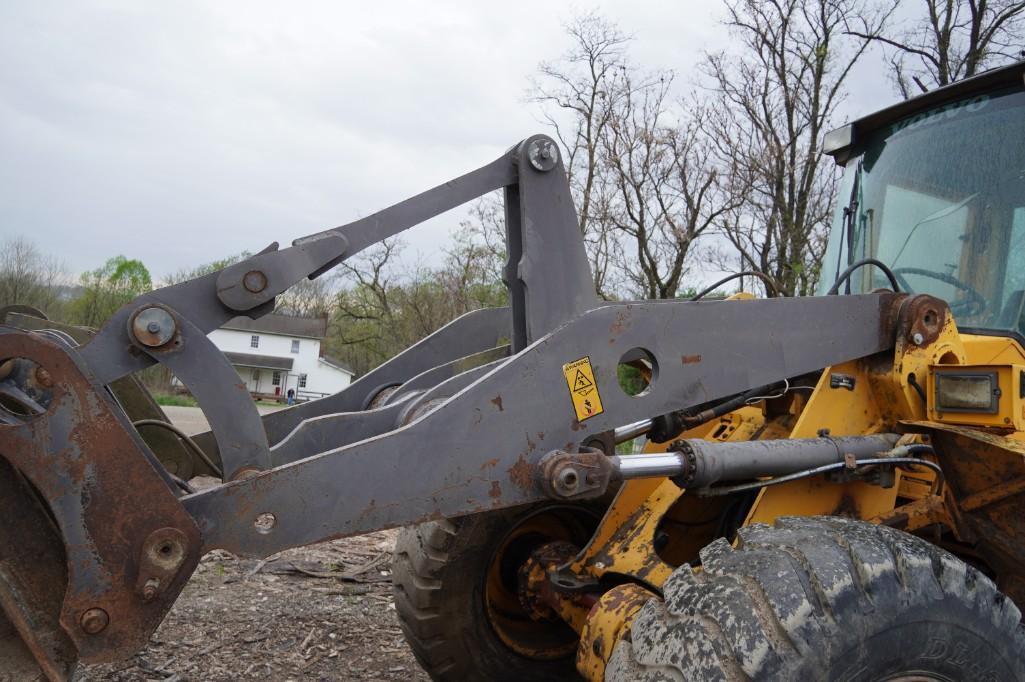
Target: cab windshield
<point>939,197</point>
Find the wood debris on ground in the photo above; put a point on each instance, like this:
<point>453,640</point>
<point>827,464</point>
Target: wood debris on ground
<point>315,613</point>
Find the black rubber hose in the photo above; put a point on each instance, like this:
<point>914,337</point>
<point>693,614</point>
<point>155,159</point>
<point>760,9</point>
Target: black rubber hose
<point>668,426</point>
<point>835,289</point>
<point>185,437</point>
<point>913,383</point>
<point>769,283</point>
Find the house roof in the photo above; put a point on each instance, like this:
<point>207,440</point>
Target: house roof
<point>337,364</point>
<point>284,325</point>
<point>258,361</point>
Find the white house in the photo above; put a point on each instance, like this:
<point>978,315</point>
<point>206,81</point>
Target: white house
<point>279,352</point>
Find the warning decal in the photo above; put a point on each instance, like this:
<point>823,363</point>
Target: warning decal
<point>582,388</point>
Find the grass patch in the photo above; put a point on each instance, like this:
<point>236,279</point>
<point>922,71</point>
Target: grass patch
<point>175,400</point>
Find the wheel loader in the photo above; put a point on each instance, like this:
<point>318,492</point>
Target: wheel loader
<point>812,488</point>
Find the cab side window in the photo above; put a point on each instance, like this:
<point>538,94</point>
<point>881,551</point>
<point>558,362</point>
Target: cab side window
<point>1013,314</point>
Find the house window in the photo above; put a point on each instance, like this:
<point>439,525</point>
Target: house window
<point>302,381</point>
<point>276,378</point>
<point>254,341</point>
<point>295,345</point>
<point>256,375</point>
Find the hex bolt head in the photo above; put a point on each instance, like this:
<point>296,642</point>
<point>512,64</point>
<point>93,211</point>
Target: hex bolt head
<point>543,154</point>
<point>94,621</point>
<point>918,339</point>
<point>254,281</point>
<point>153,326</point>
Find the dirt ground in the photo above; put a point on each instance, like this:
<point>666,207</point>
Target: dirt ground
<point>316,613</point>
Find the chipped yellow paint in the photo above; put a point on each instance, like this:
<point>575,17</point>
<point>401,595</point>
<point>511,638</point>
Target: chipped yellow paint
<point>610,619</point>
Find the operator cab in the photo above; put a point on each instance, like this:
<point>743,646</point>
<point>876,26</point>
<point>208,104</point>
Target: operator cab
<point>934,187</point>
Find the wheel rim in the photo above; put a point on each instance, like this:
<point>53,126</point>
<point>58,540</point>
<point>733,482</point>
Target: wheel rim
<point>546,639</point>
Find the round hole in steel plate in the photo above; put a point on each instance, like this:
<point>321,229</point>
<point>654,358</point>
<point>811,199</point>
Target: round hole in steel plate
<point>637,371</point>
<point>265,523</point>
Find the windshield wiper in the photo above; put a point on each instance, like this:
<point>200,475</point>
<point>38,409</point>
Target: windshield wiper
<point>847,227</point>
<point>942,213</point>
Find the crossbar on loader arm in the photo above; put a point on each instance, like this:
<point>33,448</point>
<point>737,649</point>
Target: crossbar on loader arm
<point>457,442</point>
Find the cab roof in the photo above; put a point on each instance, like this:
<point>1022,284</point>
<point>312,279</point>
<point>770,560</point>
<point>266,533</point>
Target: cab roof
<point>987,81</point>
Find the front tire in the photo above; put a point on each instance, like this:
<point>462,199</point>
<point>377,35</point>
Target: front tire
<point>456,594</point>
<point>825,598</point>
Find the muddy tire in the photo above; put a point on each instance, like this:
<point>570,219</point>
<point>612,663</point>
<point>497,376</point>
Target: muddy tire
<point>440,575</point>
<point>824,599</point>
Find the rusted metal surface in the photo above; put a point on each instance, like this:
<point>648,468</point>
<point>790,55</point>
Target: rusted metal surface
<point>544,596</point>
<point>924,512</point>
<point>575,475</point>
<point>133,397</point>
<point>153,326</point>
<point>989,496</point>
<point>984,472</point>
<point>922,318</point>
<point>33,576</point>
<point>106,495</point>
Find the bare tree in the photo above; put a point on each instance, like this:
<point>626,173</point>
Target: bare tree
<point>28,276</point>
<point>638,161</point>
<point>364,317</point>
<point>954,39</point>
<point>773,99</point>
<point>579,94</point>
<point>185,274</point>
<point>666,188</point>
<point>472,275</point>
<point>308,297</point>
<point>385,306</point>
<point>485,228</point>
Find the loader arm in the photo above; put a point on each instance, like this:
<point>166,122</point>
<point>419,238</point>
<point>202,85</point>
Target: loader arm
<point>465,431</point>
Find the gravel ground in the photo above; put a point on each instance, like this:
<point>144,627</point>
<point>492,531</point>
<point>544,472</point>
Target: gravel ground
<point>191,419</point>
<point>315,613</point>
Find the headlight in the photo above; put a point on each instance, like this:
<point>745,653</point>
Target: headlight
<point>978,392</point>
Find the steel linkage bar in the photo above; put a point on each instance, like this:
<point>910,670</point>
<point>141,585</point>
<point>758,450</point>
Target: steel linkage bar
<point>476,332</point>
<point>547,275</point>
<point>480,448</point>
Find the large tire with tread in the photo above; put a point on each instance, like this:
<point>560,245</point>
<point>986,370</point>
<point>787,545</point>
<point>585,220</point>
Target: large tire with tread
<point>439,574</point>
<point>824,598</point>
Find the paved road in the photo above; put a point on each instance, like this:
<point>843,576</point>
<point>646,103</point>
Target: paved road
<point>191,419</point>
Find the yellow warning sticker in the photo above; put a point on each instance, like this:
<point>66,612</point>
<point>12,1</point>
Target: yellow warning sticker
<point>582,388</point>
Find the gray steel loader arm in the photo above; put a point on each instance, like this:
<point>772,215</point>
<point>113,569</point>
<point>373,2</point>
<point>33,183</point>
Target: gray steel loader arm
<point>457,424</point>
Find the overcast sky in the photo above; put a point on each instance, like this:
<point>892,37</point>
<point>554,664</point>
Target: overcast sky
<point>180,132</point>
